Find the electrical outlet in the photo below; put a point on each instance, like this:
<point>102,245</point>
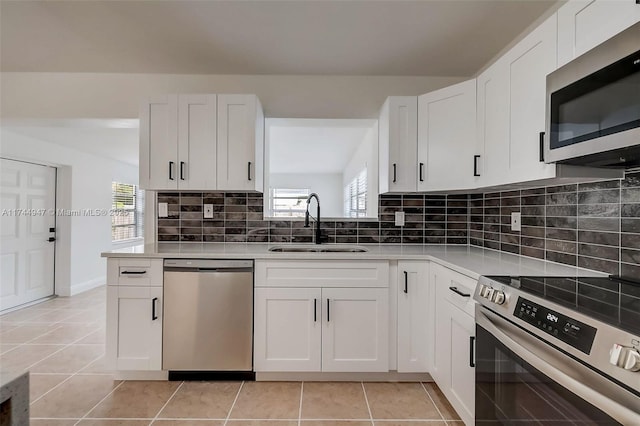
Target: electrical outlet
<point>163,210</point>
<point>208,211</point>
<point>516,222</point>
<point>399,218</point>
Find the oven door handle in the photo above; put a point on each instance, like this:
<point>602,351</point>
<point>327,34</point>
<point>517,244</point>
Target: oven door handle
<point>495,325</point>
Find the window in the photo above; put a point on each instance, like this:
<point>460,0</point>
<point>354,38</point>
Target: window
<point>288,202</point>
<point>127,217</point>
<point>355,196</point>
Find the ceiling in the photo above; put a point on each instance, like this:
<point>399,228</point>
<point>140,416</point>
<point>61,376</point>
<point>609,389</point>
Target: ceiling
<point>314,146</point>
<point>366,37</point>
<point>114,139</point>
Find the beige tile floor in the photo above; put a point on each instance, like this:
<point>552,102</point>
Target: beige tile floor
<point>61,343</point>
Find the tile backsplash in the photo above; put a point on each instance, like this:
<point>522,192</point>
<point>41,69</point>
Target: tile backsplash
<point>238,217</point>
<point>591,225</point>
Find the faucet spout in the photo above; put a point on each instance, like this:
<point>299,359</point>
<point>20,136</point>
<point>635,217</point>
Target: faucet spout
<point>318,233</point>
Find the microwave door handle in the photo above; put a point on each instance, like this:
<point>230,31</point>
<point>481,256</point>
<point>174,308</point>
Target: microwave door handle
<point>619,412</point>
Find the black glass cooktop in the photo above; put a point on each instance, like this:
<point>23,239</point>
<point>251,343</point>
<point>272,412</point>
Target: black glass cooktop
<point>611,300</point>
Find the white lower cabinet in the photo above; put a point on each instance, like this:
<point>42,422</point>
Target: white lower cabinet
<point>454,334</point>
<point>134,327</point>
<point>287,331</point>
<point>328,329</point>
<point>413,299</point>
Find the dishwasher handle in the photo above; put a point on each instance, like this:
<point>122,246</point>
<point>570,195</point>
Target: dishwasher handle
<point>191,265</point>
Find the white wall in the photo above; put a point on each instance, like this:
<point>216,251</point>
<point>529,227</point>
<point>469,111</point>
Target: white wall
<point>327,186</point>
<point>84,182</point>
<point>366,155</point>
<point>113,95</point>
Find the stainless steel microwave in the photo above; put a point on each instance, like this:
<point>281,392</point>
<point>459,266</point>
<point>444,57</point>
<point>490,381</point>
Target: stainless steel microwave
<point>593,106</point>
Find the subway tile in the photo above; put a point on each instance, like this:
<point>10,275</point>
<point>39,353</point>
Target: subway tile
<point>561,198</point>
<point>630,240</point>
<point>561,246</point>
<point>630,210</point>
<point>532,231</point>
<point>596,186</point>
<point>630,225</point>
<point>562,188</point>
<point>599,224</point>
<point>599,210</point>
<point>561,222</point>
<point>599,197</point>
<point>567,259</point>
<point>532,252</point>
<point>570,210</point>
<point>561,234</point>
<point>601,265</point>
<point>601,252</point>
<point>630,195</point>
<point>630,256</point>
<point>533,242</point>
<point>599,237</point>
<point>510,248</point>
<point>532,191</point>
<point>629,270</point>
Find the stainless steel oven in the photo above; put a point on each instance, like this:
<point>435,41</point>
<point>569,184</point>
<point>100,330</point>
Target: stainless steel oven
<point>557,351</point>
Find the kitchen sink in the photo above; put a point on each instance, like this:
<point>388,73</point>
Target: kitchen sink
<point>318,249</point>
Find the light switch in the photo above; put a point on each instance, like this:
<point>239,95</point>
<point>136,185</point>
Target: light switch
<point>399,218</point>
<point>516,223</point>
<point>208,211</point>
<point>163,210</point>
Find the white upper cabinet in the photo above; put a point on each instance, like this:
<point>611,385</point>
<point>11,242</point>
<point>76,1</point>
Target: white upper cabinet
<point>446,138</point>
<point>159,143</point>
<point>202,142</point>
<point>511,110</point>
<point>529,63</point>
<point>492,144</point>
<point>398,138</point>
<point>196,141</point>
<point>584,24</point>
<point>240,143</point>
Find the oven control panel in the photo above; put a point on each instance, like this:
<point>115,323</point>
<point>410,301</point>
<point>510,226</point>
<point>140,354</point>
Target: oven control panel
<point>567,329</point>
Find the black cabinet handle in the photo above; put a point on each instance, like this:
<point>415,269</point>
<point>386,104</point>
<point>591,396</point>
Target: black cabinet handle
<point>328,311</point>
<point>182,170</point>
<point>406,282</point>
<point>542,146</point>
<point>455,290</point>
<point>315,310</point>
<point>472,356</point>
<point>249,170</point>
<point>153,309</point>
<point>475,165</point>
<point>421,172</point>
<point>51,239</point>
<point>394,172</point>
<point>170,170</point>
<point>133,272</point>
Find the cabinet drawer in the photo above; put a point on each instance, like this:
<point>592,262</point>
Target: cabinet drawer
<point>322,273</point>
<point>134,272</point>
<point>454,288</point>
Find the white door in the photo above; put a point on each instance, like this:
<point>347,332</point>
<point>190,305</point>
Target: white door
<point>27,222</point>
<point>355,332</point>
<point>135,340</point>
<point>413,300</point>
<point>462,370</point>
<point>159,143</point>
<point>287,329</point>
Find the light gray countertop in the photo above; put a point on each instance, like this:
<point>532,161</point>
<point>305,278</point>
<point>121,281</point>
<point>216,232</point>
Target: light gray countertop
<point>471,261</point>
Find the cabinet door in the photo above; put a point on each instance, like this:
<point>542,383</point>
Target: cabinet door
<point>134,338</point>
<point>446,137</point>
<point>287,330</point>
<point>584,24</point>
<point>529,63</point>
<point>398,136</point>
<point>240,143</point>
<point>159,143</point>
<point>413,318</point>
<point>493,124</point>
<point>197,142</point>
<point>355,335</point>
<point>441,349</point>
<point>462,391</point>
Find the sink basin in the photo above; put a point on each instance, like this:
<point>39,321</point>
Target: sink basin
<point>318,249</point>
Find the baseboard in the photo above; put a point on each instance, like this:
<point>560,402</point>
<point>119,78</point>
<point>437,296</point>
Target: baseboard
<point>87,285</point>
<point>391,376</point>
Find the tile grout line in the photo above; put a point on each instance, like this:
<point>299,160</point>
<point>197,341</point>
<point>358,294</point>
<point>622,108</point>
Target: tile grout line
<point>99,402</point>
<point>234,403</point>
<point>366,399</point>
<point>300,408</point>
<point>166,403</point>
<point>68,378</point>
<point>433,402</point>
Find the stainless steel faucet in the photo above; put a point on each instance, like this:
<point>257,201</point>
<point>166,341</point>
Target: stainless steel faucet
<point>319,237</point>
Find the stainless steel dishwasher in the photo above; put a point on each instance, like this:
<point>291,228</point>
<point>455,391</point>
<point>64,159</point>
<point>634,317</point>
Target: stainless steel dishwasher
<point>208,319</point>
